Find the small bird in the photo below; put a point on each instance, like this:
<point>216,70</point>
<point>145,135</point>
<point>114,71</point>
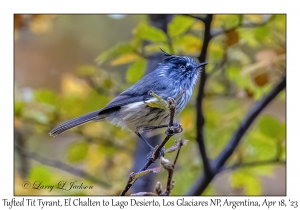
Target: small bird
<point>129,109</point>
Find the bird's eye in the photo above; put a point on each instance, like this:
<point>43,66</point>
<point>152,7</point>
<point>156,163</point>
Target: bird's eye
<point>182,67</point>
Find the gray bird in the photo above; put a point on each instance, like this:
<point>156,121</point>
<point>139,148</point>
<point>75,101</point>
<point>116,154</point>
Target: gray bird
<point>129,110</point>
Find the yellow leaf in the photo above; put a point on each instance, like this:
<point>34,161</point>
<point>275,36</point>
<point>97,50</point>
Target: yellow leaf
<point>159,103</point>
<point>73,85</point>
<point>41,23</point>
<point>216,50</point>
<point>232,37</point>
<point>93,161</point>
<point>187,121</point>
<point>126,58</point>
<point>86,70</point>
<point>255,18</point>
<point>93,129</point>
<point>198,25</point>
<point>152,48</point>
<point>188,44</point>
<point>218,20</point>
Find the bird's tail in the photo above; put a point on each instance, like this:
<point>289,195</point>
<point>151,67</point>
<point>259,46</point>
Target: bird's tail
<point>92,116</point>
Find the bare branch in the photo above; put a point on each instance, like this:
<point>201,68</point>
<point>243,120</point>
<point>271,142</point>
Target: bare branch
<point>172,129</point>
<point>259,106</point>
<point>171,171</point>
<point>199,109</point>
<point>129,183</point>
<point>219,162</point>
<point>62,166</point>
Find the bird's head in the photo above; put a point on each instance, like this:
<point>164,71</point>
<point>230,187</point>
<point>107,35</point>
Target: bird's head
<point>181,67</point>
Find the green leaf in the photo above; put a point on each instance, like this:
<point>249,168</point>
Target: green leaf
<point>114,52</point>
<point>155,47</point>
<point>265,170</point>
<point>263,148</point>
<point>230,21</point>
<point>45,96</point>
<point>160,103</point>
<point>108,151</point>
<point>209,190</point>
<point>37,116</point>
<point>252,186</point>
<point>216,86</point>
<point>77,152</point>
<point>179,25</point>
<point>18,108</point>
<point>41,174</point>
<point>187,43</point>
<point>99,100</point>
<point>243,179</point>
<point>216,50</point>
<point>245,82</point>
<point>69,101</point>
<point>283,153</point>
<point>271,127</point>
<point>125,58</point>
<point>260,33</point>
<point>150,33</point>
<point>86,70</point>
<point>136,70</point>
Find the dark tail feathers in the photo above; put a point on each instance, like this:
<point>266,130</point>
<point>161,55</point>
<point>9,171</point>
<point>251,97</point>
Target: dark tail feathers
<point>76,122</point>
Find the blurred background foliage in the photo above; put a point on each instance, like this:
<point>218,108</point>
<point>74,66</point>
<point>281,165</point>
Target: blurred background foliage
<point>68,65</point>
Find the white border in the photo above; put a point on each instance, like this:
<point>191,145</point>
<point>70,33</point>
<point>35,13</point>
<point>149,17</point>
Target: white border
<point>8,8</point>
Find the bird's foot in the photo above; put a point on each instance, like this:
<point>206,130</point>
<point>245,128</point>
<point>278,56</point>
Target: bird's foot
<point>152,153</point>
<point>174,129</point>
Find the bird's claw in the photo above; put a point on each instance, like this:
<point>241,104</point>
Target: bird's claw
<point>174,129</point>
<point>151,154</point>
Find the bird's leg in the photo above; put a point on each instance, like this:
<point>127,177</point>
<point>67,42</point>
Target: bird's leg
<point>162,152</point>
<point>151,128</point>
<point>144,140</point>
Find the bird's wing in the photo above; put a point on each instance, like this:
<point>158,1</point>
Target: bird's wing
<point>138,92</point>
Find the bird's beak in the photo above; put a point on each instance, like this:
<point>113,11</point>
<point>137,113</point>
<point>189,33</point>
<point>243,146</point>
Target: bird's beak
<point>201,64</point>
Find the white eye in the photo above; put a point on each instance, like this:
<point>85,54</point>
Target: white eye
<point>182,67</point>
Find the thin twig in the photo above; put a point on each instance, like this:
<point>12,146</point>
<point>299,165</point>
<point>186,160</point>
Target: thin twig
<point>219,162</point>
<point>62,166</point>
<point>171,172</point>
<point>129,183</point>
<point>156,152</point>
<point>179,148</point>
